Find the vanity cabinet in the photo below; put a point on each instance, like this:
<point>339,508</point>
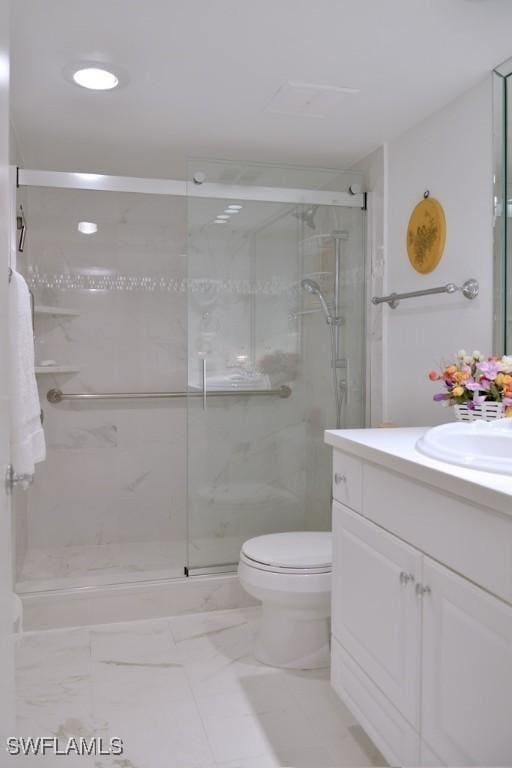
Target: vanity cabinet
<point>420,654</point>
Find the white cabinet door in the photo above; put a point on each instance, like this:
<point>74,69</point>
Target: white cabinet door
<point>467,671</point>
<point>376,614</point>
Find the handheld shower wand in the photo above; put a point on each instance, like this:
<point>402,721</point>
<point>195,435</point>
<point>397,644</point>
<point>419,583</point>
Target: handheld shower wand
<point>311,286</point>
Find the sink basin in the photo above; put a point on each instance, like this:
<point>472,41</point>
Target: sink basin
<point>485,445</point>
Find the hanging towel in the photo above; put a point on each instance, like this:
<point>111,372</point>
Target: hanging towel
<point>27,436</point>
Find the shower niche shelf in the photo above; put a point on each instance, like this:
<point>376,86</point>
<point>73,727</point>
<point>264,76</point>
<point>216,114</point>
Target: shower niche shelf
<point>41,370</point>
<point>42,309</point>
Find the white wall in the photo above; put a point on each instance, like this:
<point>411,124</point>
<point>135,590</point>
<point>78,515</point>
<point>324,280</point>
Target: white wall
<point>450,154</point>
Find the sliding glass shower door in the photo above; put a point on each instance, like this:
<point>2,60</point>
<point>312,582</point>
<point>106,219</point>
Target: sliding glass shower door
<point>258,355</point>
<point>108,273</point>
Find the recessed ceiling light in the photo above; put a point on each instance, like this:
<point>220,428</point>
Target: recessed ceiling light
<point>223,216</point>
<point>234,207</point>
<point>96,78</point>
<point>87,227</point>
<point>220,221</point>
<point>231,211</point>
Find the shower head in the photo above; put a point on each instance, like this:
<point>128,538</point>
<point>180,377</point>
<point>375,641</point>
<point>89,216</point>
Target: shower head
<point>307,216</point>
<point>311,286</point>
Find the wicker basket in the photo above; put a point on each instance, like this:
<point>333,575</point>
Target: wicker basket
<point>487,411</point>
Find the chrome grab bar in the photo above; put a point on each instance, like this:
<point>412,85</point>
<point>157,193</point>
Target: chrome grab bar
<point>469,290</point>
<point>56,396</point>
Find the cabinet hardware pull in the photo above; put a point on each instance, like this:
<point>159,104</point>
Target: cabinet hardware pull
<point>339,478</point>
<point>405,578</point>
<point>421,590</point>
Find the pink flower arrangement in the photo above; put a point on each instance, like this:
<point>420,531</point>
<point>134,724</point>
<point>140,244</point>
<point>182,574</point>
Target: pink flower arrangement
<point>472,380</point>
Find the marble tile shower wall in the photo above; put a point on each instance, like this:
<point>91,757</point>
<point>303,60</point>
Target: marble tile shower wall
<point>109,503</point>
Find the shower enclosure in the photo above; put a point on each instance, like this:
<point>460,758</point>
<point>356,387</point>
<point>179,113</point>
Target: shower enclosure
<point>186,376</point>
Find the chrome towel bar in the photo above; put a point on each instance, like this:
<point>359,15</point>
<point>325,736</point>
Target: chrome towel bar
<point>469,290</point>
<point>57,396</point>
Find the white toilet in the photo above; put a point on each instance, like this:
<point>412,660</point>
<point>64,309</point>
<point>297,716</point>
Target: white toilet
<point>291,574</point>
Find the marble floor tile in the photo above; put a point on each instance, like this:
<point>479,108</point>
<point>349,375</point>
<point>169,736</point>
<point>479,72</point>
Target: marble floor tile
<point>140,687</point>
<point>53,683</point>
<point>319,702</point>
<point>354,750</point>
<point>261,761</point>
<point>183,692</point>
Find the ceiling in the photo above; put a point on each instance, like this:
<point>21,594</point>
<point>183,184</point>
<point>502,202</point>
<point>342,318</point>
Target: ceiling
<point>201,73</point>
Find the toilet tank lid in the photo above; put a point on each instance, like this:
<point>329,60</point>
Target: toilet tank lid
<point>299,549</point>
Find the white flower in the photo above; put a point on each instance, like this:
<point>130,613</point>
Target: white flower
<point>461,354</point>
<point>506,363</point>
<point>477,355</point>
<point>468,359</point>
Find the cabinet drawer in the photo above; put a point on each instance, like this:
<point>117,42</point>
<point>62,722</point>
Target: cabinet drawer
<point>347,480</point>
<point>390,732</point>
<point>475,542</point>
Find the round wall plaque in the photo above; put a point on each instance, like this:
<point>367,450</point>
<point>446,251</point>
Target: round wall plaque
<point>426,235</point>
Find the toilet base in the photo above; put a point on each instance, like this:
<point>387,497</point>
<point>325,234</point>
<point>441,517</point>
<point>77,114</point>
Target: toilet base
<point>293,638</point>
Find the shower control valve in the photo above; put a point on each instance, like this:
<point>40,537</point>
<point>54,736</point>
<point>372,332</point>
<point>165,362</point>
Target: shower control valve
<point>338,479</point>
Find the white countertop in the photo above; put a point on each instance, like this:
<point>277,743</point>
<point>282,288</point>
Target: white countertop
<point>395,449</point>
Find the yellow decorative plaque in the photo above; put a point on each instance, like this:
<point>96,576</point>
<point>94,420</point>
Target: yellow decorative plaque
<point>426,235</point>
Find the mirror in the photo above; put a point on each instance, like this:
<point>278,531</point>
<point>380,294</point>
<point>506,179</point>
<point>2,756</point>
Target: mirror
<point>503,208</point>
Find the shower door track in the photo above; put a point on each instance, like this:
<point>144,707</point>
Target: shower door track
<point>183,188</point>
<point>210,570</point>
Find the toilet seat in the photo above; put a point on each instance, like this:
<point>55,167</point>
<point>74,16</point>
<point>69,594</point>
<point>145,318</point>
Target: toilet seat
<point>283,583</point>
<point>282,568</point>
<point>299,552</point>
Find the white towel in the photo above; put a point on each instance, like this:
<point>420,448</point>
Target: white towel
<point>27,436</point>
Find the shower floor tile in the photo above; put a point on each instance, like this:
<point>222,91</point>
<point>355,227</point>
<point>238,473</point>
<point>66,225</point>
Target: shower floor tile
<point>99,564</point>
<point>184,691</point>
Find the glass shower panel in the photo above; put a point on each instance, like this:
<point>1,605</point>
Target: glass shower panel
<point>256,461</point>
<point>109,503</point>
<point>338,236</point>
<point>246,451</point>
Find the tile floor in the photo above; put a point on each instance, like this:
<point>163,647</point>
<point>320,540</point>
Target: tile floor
<point>183,692</point>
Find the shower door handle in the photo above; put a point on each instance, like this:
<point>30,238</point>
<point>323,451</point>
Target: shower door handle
<point>13,480</point>
<point>204,383</point>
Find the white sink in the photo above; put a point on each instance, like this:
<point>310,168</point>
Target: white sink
<point>485,445</point>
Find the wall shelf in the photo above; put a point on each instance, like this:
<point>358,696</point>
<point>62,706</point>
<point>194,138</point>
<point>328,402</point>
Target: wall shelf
<point>41,309</point>
<point>41,370</point>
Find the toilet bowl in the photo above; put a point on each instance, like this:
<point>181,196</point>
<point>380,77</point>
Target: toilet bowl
<point>291,574</point>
